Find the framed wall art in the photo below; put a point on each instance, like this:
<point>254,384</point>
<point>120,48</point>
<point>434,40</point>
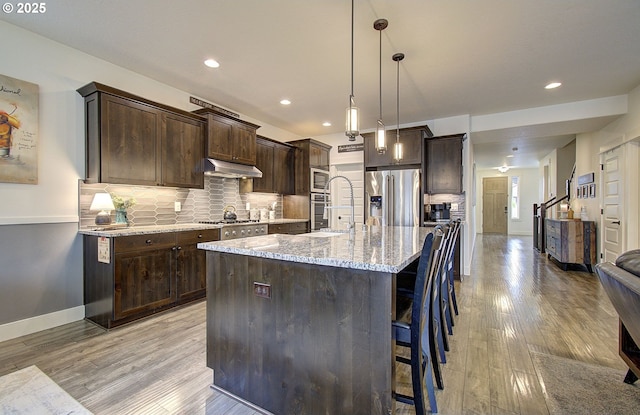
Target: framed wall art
<point>18,131</point>
<point>592,190</point>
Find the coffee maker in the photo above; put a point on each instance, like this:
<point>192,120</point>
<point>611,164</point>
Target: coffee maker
<point>439,211</point>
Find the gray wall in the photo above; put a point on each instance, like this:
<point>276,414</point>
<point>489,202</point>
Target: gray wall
<point>40,270</point>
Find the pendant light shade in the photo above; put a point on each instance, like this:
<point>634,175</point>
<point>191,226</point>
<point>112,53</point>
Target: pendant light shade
<point>397,147</point>
<point>381,142</point>
<point>353,121</point>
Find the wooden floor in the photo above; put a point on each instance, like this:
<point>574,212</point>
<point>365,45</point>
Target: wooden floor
<point>516,301</point>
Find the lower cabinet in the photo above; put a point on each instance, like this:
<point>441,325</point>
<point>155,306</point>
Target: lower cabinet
<point>143,274</point>
<point>292,228</point>
<point>571,242</point>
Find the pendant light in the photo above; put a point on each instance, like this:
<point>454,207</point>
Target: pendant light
<point>397,147</point>
<point>352,130</point>
<point>381,142</point>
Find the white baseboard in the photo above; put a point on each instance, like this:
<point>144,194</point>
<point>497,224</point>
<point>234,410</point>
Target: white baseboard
<point>38,323</point>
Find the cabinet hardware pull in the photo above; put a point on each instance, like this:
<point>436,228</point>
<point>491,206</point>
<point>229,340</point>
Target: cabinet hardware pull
<point>199,235</point>
<point>179,248</point>
<point>616,222</point>
<point>148,241</point>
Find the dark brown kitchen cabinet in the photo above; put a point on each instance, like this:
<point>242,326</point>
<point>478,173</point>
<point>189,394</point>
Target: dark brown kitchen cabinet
<point>444,164</point>
<point>309,154</point>
<point>319,156</point>
<point>144,274</point>
<point>182,150</point>
<point>131,140</point>
<point>412,140</point>
<point>228,138</point>
<point>275,161</point>
<point>291,228</point>
<point>191,275</point>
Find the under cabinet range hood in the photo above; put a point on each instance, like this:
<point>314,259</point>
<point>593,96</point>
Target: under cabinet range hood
<point>219,168</point>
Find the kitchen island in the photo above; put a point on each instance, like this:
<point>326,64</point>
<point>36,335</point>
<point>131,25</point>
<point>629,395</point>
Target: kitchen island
<point>301,324</point>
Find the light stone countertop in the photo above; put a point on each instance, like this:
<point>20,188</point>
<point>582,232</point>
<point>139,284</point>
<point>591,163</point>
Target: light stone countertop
<point>149,229</point>
<point>380,248</point>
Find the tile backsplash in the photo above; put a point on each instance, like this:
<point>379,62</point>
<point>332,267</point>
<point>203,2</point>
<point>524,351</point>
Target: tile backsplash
<point>155,205</point>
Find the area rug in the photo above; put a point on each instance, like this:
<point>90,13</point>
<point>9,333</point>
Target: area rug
<point>29,391</point>
<point>573,387</point>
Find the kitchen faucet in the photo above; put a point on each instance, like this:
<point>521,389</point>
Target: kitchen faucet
<point>352,222</point>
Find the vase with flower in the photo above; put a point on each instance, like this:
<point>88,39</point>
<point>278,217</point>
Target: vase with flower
<point>121,204</point>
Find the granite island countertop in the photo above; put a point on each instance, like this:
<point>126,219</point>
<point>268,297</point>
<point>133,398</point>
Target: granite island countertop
<point>380,248</point>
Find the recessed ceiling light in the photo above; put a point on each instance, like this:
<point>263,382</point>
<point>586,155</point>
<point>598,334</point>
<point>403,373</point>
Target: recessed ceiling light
<point>212,63</point>
<point>510,155</point>
<point>326,124</point>
<point>553,85</point>
<point>285,102</point>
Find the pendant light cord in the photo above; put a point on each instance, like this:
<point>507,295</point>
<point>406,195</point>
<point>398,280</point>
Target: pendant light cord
<point>380,75</point>
<point>398,102</point>
<point>352,24</point>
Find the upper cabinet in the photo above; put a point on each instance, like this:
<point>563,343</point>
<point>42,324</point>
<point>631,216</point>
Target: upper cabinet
<point>309,154</point>
<point>412,140</point>
<point>228,138</point>
<point>131,140</point>
<point>444,164</point>
<point>275,161</point>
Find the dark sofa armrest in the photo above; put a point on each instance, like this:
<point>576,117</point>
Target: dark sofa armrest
<point>623,289</point>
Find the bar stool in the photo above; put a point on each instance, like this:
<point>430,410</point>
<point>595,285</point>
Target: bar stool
<point>416,334</point>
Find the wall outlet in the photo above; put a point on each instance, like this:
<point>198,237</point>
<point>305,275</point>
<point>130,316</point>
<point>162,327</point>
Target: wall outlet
<point>177,206</point>
<point>454,207</point>
<point>262,290</point>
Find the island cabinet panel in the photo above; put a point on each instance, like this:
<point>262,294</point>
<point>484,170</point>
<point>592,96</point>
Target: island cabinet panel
<point>131,140</point>
<point>144,274</point>
<point>316,345</point>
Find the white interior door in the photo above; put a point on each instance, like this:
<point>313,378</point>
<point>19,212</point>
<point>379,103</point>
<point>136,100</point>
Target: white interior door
<point>612,197</point>
<point>340,194</point>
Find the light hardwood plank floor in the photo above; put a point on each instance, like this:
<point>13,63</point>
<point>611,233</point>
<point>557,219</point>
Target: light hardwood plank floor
<point>516,301</point>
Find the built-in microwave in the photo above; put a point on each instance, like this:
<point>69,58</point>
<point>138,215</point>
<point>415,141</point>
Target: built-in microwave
<point>319,179</point>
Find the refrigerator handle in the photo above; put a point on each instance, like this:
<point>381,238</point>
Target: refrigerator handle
<point>387,185</point>
<point>392,201</point>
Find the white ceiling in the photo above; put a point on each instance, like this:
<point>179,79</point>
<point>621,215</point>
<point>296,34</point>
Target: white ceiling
<point>462,57</point>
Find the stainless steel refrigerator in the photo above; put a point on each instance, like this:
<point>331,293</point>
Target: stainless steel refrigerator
<point>393,197</point>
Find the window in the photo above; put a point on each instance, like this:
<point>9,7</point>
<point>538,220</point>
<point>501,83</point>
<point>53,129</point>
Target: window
<point>515,197</point>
